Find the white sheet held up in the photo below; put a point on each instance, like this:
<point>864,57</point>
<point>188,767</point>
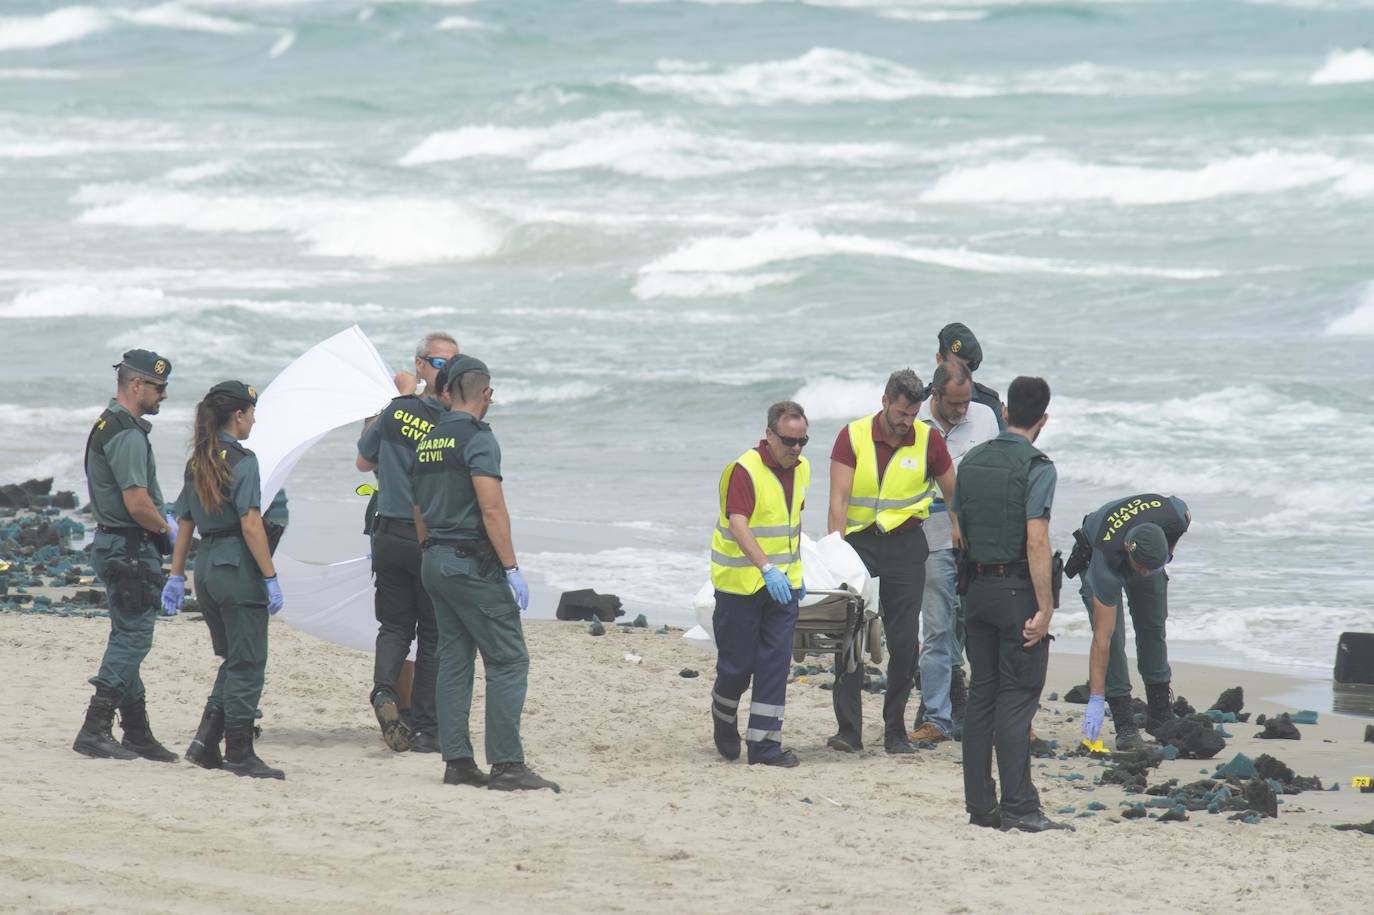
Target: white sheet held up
<point>339,382</point>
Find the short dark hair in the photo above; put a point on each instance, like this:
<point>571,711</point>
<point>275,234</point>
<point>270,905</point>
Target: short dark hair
<point>951,370</point>
<point>470,386</point>
<point>905,383</point>
<point>785,408</point>
<point>1027,399</point>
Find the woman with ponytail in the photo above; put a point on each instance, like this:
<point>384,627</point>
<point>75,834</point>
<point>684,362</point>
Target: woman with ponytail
<point>236,583</point>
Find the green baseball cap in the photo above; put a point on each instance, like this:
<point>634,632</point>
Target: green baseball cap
<point>1148,546</point>
<point>146,362</point>
<point>236,389</point>
<point>461,365</point>
<point>956,338</point>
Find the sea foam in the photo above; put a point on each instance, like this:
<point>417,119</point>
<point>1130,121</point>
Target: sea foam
<point>61,26</point>
<point>1355,66</point>
<point>1055,179</point>
<point>1357,323</point>
<point>385,230</point>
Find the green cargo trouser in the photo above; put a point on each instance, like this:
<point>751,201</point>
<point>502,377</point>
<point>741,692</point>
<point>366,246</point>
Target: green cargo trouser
<point>476,614</point>
<point>233,600</point>
<point>1149,604</point>
<point>133,611</point>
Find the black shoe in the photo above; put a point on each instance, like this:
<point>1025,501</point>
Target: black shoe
<point>727,738</point>
<point>94,739</point>
<point>138,733</point>
<point>424,742</point>
<point>1159,699</point>
<point>204,748</point>
<point>786,760</point>
<point>898,745</point>
<point>239,757</point>
<point>465,771</point>
<point>394,730</point>
<point>987,820</point>
<point>1031,822</point>
<point>517,777</point>
<point>844,744</point>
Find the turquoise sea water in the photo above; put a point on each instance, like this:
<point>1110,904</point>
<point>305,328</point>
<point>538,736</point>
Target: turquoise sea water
<point>655,218</point>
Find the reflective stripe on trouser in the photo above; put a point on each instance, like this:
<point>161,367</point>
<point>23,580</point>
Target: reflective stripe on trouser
<point>753,642</point>
<point>476,614</point>
<point>1147,598</point>
<point>233,601</point>
<point>131,628</point>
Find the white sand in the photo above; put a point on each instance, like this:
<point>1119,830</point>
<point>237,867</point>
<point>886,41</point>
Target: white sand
<point>650,818</point>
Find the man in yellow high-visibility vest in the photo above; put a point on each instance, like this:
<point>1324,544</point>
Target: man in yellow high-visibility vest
<point>883,472</point>
<point>756,568</point>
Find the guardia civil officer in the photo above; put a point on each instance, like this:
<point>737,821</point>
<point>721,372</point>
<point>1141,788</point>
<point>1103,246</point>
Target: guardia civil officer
<point>132,535</point>
<point>236,583</point>
<point>883,472</point>
<point>756,568</point>
<point>403,608</point>
<point>958,344</point>
<point>1126,544</point>
<point>470,571</point>
<point>1003,499</point>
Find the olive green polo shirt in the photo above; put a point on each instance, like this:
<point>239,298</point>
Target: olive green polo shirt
<point>390,444</point>
<point>125,462</point>
<point>243,493</point>
<point>459,447</point>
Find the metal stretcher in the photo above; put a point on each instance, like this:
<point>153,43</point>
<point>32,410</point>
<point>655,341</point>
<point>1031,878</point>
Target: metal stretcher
<point>841,625</point>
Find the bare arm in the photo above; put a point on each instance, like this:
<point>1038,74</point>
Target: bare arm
<point>185,530</point>
<point>364,464</point>
<point>492,500</point>
<point>1038,558</point>
<point>841,484</point>
<point>256,537</point>
<point>1104,624</point>
<point>739,527</point>
<point>946,483</point>
<point>421,533</point>
<point>141,508</point>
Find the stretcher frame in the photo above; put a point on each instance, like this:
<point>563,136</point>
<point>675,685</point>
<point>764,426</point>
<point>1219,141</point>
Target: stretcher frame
<point>841,625</point>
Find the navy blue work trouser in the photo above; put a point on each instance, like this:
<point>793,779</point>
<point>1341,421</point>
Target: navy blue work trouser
<point>754,639</point>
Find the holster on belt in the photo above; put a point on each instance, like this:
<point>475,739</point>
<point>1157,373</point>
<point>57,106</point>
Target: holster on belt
<point>1056,576</point>
<point>472,549</point>
<point>274,535</point>
<point>965,570</point>
<point>1081,555</point>
<point>131,585</point>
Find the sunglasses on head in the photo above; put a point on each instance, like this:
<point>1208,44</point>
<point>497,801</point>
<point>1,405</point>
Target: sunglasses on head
<point>791,442</point>
<point>437,362</point>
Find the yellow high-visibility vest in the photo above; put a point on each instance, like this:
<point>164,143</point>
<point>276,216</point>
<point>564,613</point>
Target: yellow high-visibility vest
<point>906,491</point>
<point>775,524</point>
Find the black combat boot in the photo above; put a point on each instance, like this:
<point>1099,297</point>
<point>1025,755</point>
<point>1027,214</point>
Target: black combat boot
<point>726,737</point>
<point>1159,699</point>
<point>1127,734</point>
<point>465,771</point>
<point>516,776</point>
<point>958,701</point>
<point>204,748</point>
<point>95,739</point>
<point>138,733</point>
<point>239,757</point>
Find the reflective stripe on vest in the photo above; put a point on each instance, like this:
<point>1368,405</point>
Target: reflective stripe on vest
<point>905,491</point>
<point>775,525</point>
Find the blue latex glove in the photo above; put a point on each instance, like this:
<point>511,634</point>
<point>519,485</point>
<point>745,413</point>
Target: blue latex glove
<point>1092,718</point>
<point>274,598</point>
<point>778,587</point>
<point>522,590</point>
<point>173,528</point>
<point>801,597</point>
<point>173,594</point>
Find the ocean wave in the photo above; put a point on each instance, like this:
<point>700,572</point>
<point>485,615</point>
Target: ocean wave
<point>1355,66</point>
<point>29,416</point>
<point>786,243</point>
<point>660,285</point>
<point>61,26</point>
<point>1358,323</point>
<point>86,301</point>
<point>658,577</point>
<point>1052,179</point>
<point>177,16</point>
<point>626,143</point>
<point>530,393</point>
<point>37,73</point>
<point>464,24</point>
<point>383,230</point>
<point>829,397</point>
<point>285,42</point>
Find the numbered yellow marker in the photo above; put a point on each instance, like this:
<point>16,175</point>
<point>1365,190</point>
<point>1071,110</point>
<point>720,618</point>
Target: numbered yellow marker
<point>1361,781</point>
<point>4,566</point>
<point>1096,746</point>
<point>366,489</point>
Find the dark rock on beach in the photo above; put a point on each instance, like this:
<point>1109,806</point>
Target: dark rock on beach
<point>586,604</point>
<point>1195,737</point>
<point>1231,700</point>
<point>1078,695</point>
<point>1280,728</point>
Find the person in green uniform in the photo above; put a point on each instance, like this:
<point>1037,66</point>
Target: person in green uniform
<point>236,583</point>
<point>470,572</point>
<point>275,519</point>
<point>132,535</point>
<point>1003,499</point>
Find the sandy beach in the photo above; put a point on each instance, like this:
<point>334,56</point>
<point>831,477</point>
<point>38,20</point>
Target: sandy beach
<point>650,818</point>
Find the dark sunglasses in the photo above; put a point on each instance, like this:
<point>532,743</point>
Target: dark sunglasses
<point>160,387</point>
<point>437,361</point>
<point>791,442</point>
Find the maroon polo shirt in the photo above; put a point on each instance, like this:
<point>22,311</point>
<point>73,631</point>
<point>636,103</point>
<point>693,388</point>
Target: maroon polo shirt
<point>937,455</point>
<point>739,496</point>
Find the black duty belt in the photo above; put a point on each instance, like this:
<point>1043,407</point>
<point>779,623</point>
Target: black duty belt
<point>235,532</point>
<point>475,549</point>
<point>123,531</point>
<point>397,526</point>
<point>1017,569</point>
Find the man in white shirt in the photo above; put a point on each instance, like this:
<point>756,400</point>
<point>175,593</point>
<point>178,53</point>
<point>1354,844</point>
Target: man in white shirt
<point>951,411</point>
